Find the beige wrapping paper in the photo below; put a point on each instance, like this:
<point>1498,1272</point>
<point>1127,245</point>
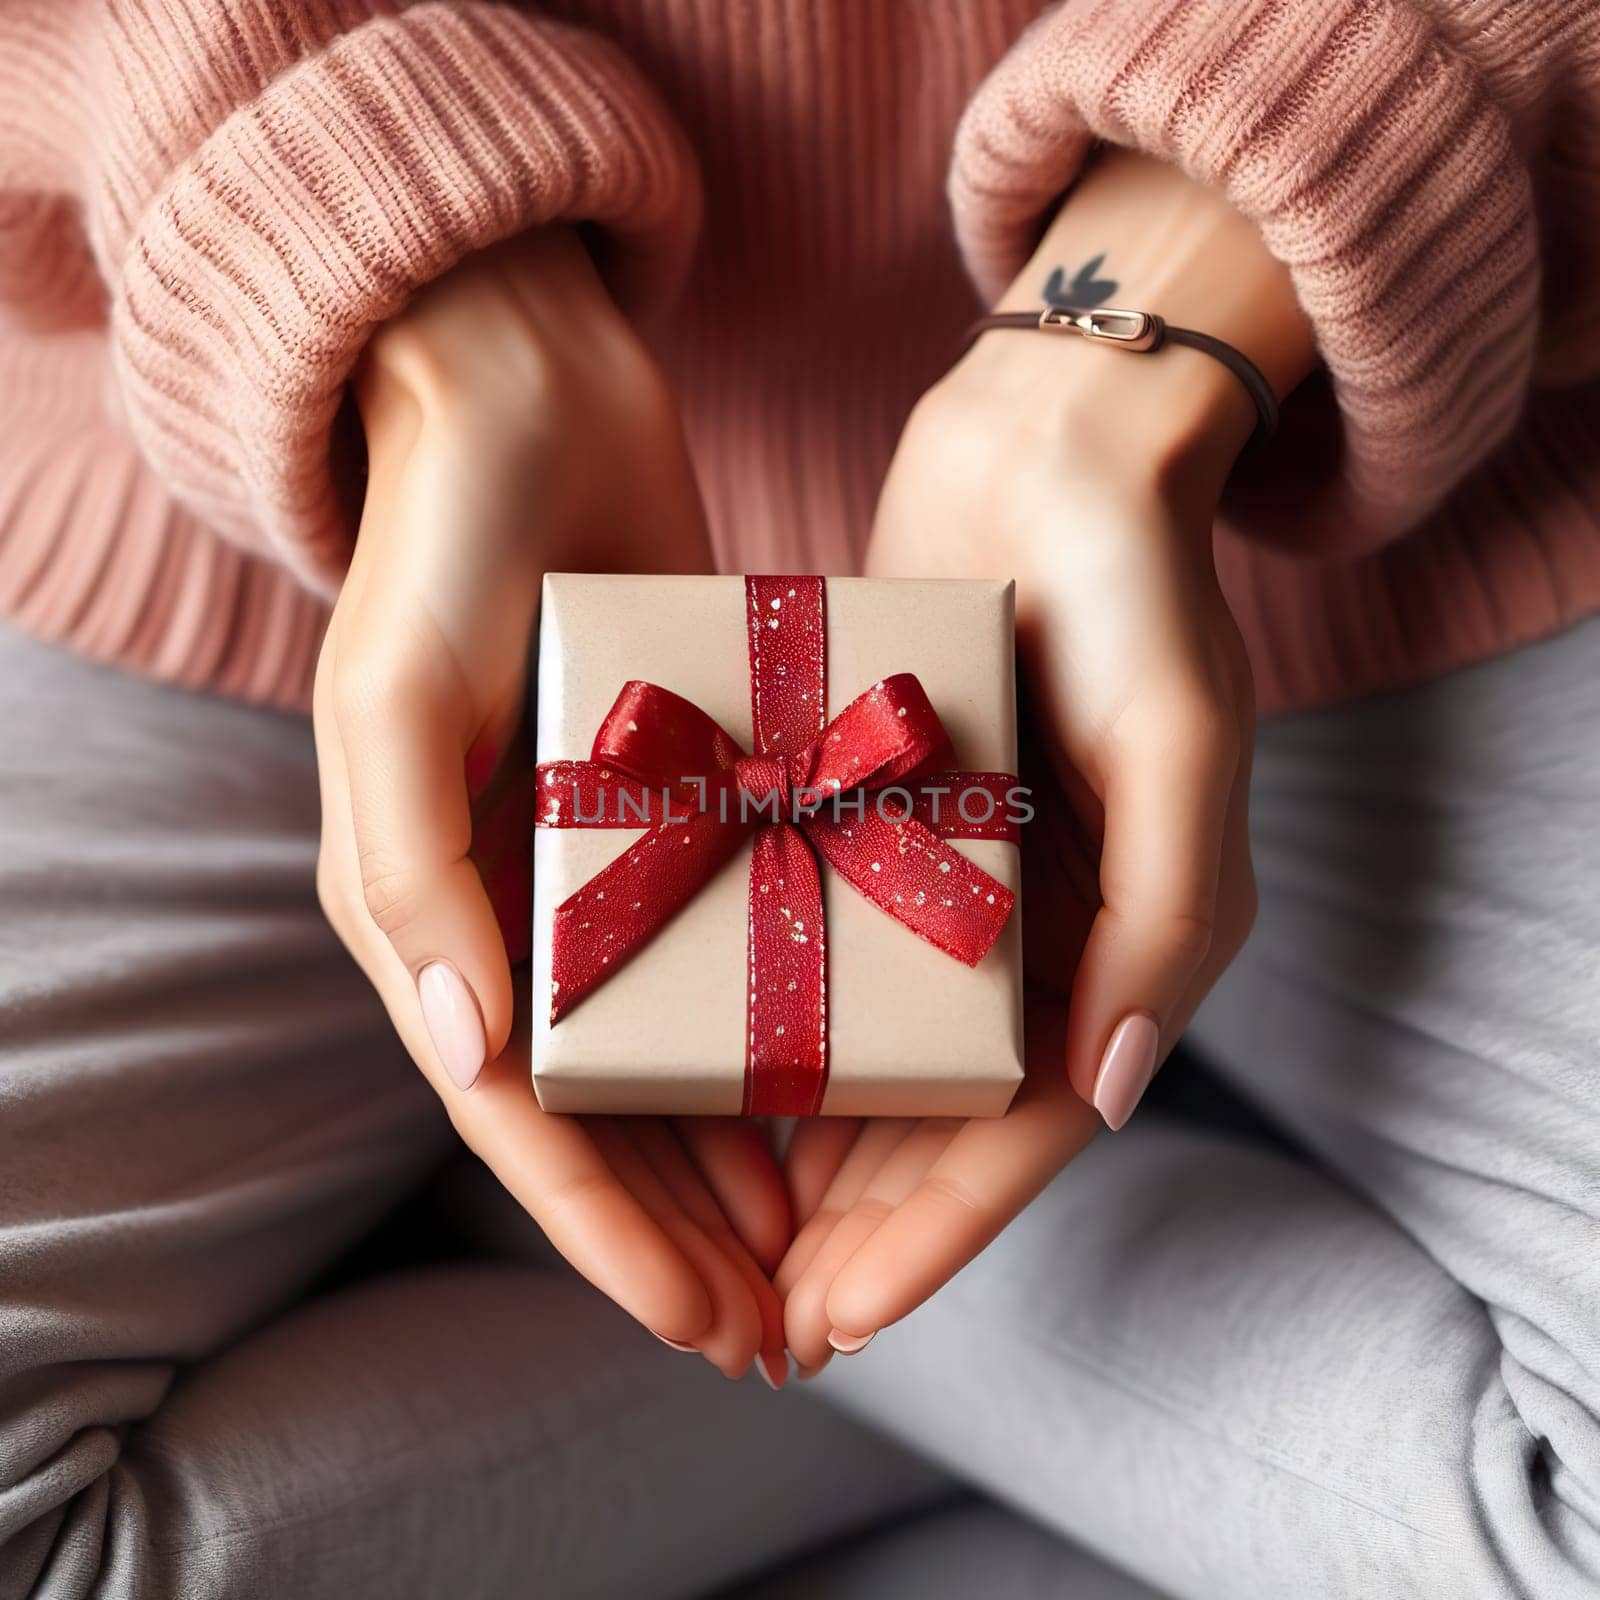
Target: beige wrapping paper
<point>912,1031</point>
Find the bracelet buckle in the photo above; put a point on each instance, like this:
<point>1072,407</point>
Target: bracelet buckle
<point>1130,330</point>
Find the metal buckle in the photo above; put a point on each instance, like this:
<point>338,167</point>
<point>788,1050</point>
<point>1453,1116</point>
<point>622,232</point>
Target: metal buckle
<point>1128,330</point>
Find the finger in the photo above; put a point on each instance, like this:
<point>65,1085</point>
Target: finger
<point>816,1152</point>
<point>657,1142</point>
<point>875,1144</point>
<point>808,1326</point>
<point>405,719</point>
<point>872,1148</point>
<point>736,1161</point>
<point>733,1336</point>
<point>982,1180</point>
<point>1168,776</point>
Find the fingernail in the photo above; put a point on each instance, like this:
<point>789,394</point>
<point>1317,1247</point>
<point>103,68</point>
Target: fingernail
<point>805,1374</point>
<point>454,1023</point>
<point>1126,1068</point>
<point>848,1343</point>
<point>672,1344</point>
<point>766,1372</point>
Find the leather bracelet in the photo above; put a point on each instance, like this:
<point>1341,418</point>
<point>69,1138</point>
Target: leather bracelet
<point>1143,333</point>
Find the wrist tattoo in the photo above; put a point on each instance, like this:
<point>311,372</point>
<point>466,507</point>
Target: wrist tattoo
<point>1084,291</point>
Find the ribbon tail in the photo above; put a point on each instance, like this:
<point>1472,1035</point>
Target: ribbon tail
<point>629,901</point>
<point>908,871</point>
<point>786,1060</point>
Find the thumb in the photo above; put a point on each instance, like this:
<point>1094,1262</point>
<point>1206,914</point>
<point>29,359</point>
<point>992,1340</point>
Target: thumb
<point>1166,801</point>
<point>406,723</point>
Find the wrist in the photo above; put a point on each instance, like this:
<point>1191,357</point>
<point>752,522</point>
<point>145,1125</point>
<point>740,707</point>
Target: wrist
<point>1169,424</point>
<point>503,345</point>
<point>1137,233</point>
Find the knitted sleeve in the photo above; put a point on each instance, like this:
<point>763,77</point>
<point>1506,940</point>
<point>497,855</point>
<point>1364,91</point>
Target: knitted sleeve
<point>208,204</point>
<point>1410,161</point>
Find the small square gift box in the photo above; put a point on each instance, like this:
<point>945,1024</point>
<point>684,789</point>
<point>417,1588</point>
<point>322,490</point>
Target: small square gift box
<point>775,862</point>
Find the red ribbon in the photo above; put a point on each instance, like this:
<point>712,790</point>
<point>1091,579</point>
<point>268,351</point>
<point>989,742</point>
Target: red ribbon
<point>812,788</point>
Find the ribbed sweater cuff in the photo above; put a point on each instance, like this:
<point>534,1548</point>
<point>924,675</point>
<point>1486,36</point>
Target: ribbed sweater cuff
<point>313,212</point>
<point>1378,168</point>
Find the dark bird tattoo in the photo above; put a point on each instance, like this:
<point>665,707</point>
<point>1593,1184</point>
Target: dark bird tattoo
<point>1084,292</point>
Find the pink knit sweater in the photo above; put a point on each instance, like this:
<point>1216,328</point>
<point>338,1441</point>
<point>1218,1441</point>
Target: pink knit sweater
<point>206,205</point>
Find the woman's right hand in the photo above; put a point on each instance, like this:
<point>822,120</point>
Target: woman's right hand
<point>515,424</point>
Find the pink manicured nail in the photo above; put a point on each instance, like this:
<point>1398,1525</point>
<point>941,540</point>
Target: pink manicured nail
<point>766,1372</point>
<point>672,1344</point>
<point>453,1022</point>
<point>1126,1068</point>
<point>848,1343</point>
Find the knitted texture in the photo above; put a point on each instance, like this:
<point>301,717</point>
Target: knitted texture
<point>206,205</point>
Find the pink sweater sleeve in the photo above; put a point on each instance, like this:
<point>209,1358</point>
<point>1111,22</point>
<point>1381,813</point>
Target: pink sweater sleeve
<point>237,191</point>
<point>1391,152</point>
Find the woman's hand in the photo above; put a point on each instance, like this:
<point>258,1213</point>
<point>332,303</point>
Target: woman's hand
<point>515,425</point>
<point>1092,477</point>
<point>1137,881</point>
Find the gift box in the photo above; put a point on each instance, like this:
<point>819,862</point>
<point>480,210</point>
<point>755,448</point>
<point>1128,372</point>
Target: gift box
<point>776,860</point>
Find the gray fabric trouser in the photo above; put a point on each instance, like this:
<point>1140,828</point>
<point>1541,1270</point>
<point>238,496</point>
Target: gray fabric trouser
<point>1367,1365</point>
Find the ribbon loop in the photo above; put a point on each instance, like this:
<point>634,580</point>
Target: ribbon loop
<point>881,736</point>
<point>655,735</point>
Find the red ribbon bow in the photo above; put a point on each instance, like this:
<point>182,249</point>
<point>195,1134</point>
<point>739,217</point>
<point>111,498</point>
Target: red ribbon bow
<point>813,787</point>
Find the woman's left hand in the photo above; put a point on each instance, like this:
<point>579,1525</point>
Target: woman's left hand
<point>1139,883</point>
<point>515,424</point>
